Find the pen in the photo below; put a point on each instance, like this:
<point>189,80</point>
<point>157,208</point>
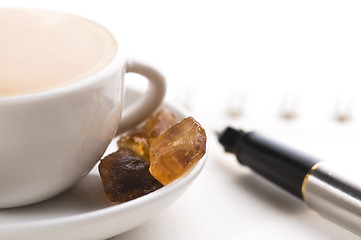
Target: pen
<point>332,195</point>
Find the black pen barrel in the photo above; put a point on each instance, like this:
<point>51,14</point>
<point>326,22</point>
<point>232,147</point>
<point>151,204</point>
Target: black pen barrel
<point>282,165</point>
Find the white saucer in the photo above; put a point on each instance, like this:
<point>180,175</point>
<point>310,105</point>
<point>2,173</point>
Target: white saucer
<point>83,212</point>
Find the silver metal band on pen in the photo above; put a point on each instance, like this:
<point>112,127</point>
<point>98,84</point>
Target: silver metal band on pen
<point>333,196</point>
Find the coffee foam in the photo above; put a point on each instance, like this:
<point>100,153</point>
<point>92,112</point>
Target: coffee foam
<point>42,50</point>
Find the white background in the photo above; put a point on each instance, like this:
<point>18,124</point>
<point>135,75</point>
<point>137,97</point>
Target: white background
<point>260,58</point>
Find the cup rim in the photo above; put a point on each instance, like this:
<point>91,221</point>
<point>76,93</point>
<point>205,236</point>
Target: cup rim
<point>115,64</point>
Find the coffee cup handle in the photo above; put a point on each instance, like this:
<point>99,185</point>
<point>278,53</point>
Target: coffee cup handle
<point>150,100</point>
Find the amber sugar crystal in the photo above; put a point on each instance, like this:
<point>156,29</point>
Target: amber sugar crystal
<point>174,151</point>
<point>160,122</point>
<point>139,145</point>
<point>139,138</point>
<point>125,176</point>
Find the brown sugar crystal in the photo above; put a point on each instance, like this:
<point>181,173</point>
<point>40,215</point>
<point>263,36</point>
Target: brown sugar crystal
<point>139,138</point>
<point>174,151</point>
<point>125,176</point>
<point>159,122</point>
<point>138,144</point>
<point>151,155</point>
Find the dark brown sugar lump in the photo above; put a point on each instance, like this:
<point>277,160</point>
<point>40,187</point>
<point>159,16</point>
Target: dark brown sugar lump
<point>126,177</point>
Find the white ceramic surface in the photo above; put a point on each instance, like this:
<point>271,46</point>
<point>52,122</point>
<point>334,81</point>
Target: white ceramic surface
<point>50,139</point>
<point>83,212</point>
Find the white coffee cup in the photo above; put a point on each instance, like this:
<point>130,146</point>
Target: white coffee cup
<point>50,139</point>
